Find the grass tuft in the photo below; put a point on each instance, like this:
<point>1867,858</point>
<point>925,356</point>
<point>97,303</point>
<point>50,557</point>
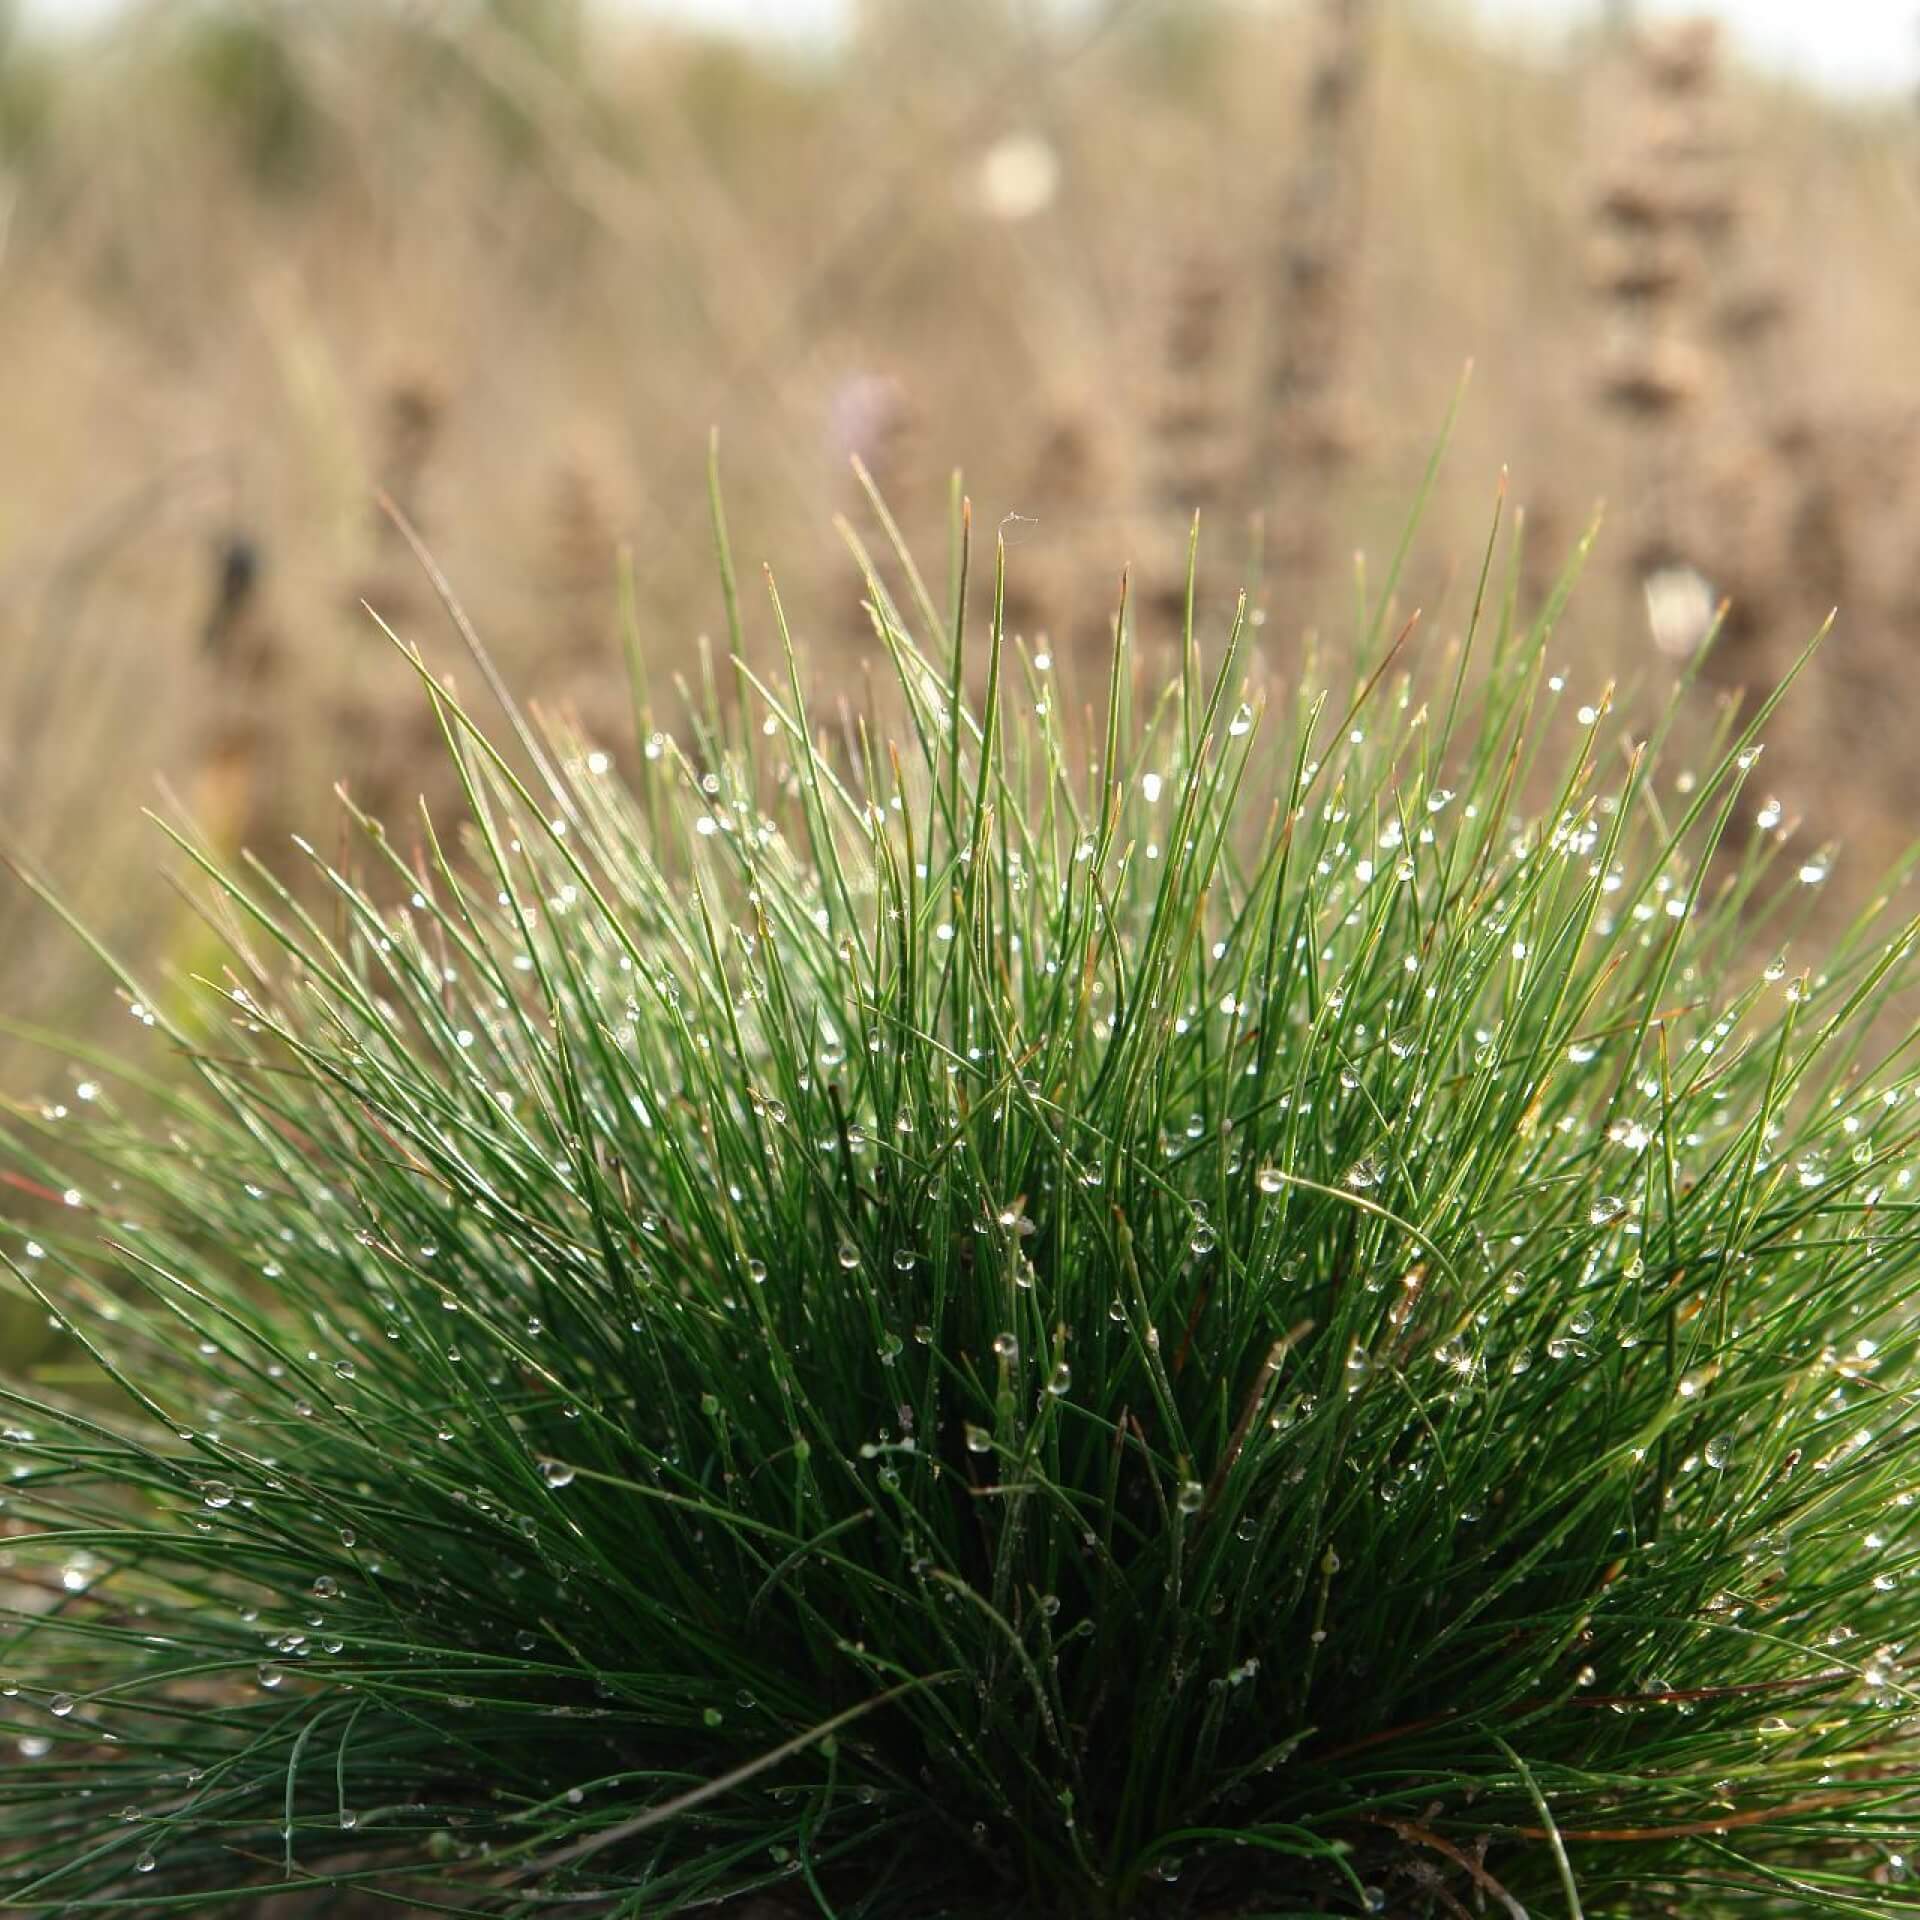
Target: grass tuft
<point>1279,1321</point>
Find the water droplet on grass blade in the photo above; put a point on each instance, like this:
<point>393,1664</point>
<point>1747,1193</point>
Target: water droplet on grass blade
<point>556,1473</point>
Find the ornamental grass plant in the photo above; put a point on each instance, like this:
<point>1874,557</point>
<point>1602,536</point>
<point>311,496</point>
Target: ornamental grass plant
<point>1240,1297</point>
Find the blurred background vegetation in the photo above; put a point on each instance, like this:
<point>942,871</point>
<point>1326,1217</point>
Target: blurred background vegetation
<point>510,260</point>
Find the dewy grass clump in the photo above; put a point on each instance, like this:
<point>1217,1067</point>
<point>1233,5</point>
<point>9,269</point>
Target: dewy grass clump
<point>1263,1314</point>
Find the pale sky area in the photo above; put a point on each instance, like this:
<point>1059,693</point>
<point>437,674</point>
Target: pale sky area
<point>1868,45</point>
